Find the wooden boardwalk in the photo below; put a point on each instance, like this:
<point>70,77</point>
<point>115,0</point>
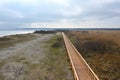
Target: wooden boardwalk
<point>81,69</point>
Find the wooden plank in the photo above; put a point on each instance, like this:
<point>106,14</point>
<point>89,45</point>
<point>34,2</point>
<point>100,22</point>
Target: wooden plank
<point>81,69</point>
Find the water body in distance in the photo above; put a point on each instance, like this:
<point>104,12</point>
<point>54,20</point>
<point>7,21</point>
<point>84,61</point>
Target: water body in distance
<point>13,32</point>
<point>6,32</point>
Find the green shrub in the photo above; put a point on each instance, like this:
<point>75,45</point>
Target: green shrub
<point>57,43</point>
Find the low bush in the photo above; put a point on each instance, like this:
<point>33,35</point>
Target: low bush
<point>57,44</point>
<point>97,45</point>
<point>44,32</point>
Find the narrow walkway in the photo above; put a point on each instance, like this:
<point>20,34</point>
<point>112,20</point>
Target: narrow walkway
<point>81,69</point>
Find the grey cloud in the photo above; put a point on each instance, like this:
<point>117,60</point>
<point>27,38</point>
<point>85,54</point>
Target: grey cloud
<point>50,12</point>
<point>103,12</point>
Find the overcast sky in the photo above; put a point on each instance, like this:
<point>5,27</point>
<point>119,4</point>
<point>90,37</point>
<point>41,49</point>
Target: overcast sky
<point>60,13</point>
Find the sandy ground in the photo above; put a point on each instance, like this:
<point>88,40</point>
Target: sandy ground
<point>14,59</point>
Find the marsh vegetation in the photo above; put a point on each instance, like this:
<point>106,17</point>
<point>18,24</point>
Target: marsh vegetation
<point>101,49</point>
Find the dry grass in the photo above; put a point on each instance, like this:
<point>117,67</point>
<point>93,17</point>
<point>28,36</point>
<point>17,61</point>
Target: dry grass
<point>101,49</point>
<point>49,64</point>
<point>7,41</point>
<point>55,65</point>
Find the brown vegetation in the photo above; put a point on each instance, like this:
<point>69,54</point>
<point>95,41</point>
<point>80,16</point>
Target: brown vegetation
<point>101,49</point>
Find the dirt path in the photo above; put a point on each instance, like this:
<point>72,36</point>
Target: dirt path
<point>15,61</point>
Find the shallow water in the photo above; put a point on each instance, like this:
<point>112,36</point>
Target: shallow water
<point>12,32</point>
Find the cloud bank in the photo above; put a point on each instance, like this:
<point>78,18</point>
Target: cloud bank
<point>60,13</point>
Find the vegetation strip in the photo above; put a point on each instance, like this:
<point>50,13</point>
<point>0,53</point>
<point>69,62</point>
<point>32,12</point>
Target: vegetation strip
<point>56,60</point>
